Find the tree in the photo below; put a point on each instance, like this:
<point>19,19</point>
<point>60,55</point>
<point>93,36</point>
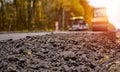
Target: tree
<point>3,14</point>
<point>88,11</point>
<point>35,15</point>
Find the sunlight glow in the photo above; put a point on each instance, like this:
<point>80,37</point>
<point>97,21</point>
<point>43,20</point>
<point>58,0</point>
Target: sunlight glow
<point>112,9</point>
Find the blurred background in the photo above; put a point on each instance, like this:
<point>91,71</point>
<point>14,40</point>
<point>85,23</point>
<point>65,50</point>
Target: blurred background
<point>42,15</point>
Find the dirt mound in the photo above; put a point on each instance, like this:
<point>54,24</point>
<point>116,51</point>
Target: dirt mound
<point>77,52</point>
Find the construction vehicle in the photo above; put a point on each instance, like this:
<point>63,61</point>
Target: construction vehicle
<point>78,24</point>
<point>100,20</point>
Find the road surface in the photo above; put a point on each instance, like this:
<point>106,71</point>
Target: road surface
<point>14,36</point>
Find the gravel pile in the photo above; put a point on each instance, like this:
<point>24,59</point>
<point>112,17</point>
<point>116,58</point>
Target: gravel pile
<point>77,52</point>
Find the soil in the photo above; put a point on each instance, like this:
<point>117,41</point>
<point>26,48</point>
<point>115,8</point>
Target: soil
<point>74,52</point>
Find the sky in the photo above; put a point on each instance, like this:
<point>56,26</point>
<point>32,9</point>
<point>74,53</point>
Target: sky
<point>112,9</point>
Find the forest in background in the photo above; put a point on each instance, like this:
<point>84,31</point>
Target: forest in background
<point>41,15</point>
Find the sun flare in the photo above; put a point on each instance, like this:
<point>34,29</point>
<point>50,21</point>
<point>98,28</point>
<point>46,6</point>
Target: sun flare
<point>112,10</point>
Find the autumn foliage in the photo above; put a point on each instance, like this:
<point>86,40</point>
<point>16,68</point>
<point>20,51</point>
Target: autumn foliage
<point>40,15</point>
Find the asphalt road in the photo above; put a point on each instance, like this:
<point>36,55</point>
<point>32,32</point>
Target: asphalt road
<point>14,36</point>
